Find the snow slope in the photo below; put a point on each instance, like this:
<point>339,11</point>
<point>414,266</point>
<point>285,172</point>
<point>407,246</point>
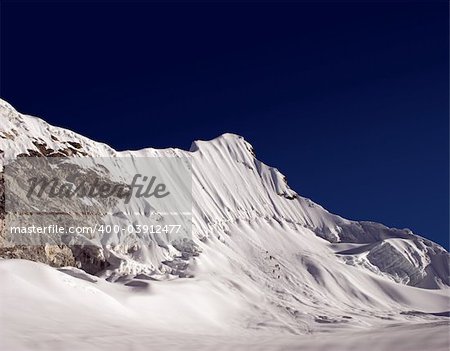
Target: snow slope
<point>46,309</point>
<point>267,262</point>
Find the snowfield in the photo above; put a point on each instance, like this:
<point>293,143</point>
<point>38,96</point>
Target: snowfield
<point>266,269</point>
<point>46,309</point>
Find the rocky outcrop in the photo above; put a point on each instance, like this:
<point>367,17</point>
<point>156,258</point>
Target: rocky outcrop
<point>53,255</point>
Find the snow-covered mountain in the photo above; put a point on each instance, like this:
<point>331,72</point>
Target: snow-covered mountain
<point>262,258</point>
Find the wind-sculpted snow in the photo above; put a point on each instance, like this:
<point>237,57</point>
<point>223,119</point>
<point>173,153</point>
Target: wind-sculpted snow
<point>261,257</point>
<point>230,184</point>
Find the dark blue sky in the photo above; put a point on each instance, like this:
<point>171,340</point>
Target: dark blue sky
<point>349,100</point>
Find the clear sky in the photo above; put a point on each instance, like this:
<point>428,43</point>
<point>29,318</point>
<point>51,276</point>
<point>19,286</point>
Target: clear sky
<point>348,99</point>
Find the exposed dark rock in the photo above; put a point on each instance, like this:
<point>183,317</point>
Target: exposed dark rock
<point>42,147</point>
<point>75,144</point>
<point>53,255</point>
<point>31,153</point>
<point>89,258</point>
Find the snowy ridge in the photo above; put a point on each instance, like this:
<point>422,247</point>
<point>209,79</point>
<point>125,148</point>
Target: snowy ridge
<point>230,184</point>
<point>265,257</point>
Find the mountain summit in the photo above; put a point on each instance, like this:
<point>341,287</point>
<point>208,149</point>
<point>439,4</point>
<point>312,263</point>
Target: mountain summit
<point>261,258</point>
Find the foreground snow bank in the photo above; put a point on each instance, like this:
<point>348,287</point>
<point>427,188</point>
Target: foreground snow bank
<point>46,309</point>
